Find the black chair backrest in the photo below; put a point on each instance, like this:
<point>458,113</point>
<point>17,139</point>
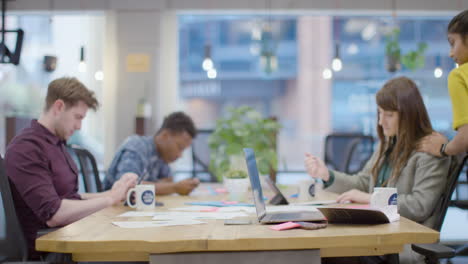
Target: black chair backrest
<point>348,152</point>
<point>460,196</point>
<point>456,166</point>
<point>88,169</point>
<point>14,247</point>
<point>201,156</point>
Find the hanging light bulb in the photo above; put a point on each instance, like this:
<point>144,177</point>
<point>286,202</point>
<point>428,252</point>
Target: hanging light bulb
<point>438,72</point>
<point>82,65</point>
<point>207,62</point>
<point>99,76</point>
<point>212,73</point>
<point>327,73</point>
<point>337,65</point>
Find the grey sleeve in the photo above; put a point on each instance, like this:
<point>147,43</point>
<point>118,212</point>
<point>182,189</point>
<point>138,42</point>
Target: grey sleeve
<point>361,181</point>
<point>429,183</point>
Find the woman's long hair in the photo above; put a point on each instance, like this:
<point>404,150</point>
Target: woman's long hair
<point>401,95</point>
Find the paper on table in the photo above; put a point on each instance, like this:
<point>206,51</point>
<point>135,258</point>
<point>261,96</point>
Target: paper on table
<point>197,208</point>
<point>317,202</point>
<point>193,208</point>
<point>145,224</point>
<point>290,208</point>
<point>197,215</point>
<point>136,214</point>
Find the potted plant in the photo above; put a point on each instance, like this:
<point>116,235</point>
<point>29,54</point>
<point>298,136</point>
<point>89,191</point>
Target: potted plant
<point>242,127</point>
<point>393,51</point>
<point>412,60</point>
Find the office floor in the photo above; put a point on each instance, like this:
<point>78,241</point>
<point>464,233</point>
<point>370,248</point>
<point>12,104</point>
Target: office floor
<point>454,230</point>
<point>458,260</point>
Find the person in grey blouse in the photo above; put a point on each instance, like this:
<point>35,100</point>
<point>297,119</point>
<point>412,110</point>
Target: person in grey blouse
<point>419,178</point>
<point>148,157</point>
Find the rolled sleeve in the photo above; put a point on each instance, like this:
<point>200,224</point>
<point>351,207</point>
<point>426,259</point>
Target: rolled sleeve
<point>32,179</point>
<point>362,181</point>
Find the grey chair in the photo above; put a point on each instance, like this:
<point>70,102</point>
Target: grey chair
<point>13,248</point>
<point>434,252</point>
<point>88,169</point>
<point>348,152</point>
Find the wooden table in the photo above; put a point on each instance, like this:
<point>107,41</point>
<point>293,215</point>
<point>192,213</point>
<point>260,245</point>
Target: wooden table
<point>95,238</point>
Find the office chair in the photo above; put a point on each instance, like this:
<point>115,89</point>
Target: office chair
<point>201,157</point>
<point>434,252</point>
<point>348,152</point>
<point>14,247</point>
<point>88,169</point>
<point>460,200</point>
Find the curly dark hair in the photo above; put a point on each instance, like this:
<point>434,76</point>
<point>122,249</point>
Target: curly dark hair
<point>178,122</point>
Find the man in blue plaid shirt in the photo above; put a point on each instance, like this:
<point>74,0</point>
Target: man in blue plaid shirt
<point>149,157</point>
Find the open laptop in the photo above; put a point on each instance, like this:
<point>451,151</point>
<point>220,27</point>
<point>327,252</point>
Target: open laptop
<point>263,216</point>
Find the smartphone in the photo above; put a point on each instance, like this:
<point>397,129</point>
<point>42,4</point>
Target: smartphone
<point>237,222</point>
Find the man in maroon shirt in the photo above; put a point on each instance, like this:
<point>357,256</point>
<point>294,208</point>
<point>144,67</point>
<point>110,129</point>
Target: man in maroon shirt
<point>43,175</point>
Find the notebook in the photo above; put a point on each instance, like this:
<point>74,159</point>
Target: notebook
<point>358,215</point>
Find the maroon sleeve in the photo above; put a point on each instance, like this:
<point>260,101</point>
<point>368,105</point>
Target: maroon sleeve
<point>29,171</point>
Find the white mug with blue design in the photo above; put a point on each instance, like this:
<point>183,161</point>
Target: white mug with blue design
<point>144,197</point>
<point>385,198</point>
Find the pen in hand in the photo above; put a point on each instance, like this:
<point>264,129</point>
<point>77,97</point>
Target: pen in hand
<point>144,176</point>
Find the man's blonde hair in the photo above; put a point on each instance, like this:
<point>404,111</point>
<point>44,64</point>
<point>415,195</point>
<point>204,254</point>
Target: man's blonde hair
<point>71,91</point>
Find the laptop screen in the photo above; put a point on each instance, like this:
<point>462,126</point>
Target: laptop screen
<point>255,182</point>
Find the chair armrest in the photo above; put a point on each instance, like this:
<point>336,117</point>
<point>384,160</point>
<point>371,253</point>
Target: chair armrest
<point>434,251</point>
<point>46,231</point>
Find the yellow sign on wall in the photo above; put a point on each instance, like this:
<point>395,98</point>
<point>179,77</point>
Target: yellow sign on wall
<point>138,62</point>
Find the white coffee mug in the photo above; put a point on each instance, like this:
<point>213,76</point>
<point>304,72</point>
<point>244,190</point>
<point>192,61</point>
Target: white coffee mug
<point>385,198</point>
<point>306,190</point>
<point>144,197</point>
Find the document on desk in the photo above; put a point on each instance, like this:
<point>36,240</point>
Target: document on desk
<point>136,214</point>
<point>146,224</point>
<point>202,208</point>
<point>290,208</point>
<point>316,202</point>
<point>197,215</point>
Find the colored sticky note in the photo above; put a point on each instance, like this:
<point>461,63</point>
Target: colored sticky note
<point>221,190</point>
<point>285,226</point>
<point>212,209</point>
<point>230,202</point>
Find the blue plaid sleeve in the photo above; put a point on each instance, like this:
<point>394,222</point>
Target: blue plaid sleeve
<point>164,172</point>
<point>130,162</point>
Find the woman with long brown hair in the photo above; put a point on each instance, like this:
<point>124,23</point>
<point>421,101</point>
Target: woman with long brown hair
<point>419,178</point>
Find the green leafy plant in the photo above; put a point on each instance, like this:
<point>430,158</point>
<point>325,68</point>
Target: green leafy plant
<point>412,60</point>
<point>415,59</point>
<point>243,127</point>
<point>392,45</point>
